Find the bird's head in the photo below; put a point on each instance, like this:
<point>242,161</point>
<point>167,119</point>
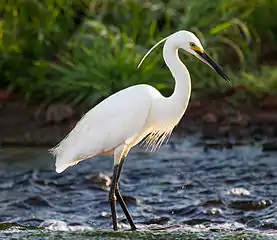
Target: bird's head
<point>185,40</point>
<point>190,43</point>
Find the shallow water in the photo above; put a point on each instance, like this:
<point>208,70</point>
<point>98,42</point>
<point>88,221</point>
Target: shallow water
<point>186,182</point>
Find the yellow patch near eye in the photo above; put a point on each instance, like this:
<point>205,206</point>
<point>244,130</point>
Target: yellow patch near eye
<point>196,48</point>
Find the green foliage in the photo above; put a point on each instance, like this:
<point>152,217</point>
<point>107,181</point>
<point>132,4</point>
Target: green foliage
<point>258,82</point>
<point>102,62</point>
<point>137,19</point>
<point>30,31</point>
<point>44,56</point>
<point>175,234</point>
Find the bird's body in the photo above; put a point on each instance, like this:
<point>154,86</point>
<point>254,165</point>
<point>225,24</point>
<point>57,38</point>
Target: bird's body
<point>150,113</point>
<point>122,120</point>
<point>96,130</point>
<point>126,117</point>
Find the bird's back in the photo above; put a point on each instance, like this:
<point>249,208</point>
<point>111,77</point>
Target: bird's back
<point>106,126</point>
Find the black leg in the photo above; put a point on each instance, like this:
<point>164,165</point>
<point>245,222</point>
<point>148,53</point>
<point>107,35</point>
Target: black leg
<point>124,208</point>
<point>120,199</point>
<point>112,197</point>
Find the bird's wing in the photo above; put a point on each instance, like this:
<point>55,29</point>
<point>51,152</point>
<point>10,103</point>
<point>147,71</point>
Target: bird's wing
<point>106,126</point>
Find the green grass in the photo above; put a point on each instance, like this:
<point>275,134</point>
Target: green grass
<point>101,62</point>
<point>16,231</point>
<point>101,56</point>
<point>139,235</point>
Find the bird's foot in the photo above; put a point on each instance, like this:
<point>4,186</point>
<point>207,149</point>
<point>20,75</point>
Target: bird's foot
<point>133,228</point>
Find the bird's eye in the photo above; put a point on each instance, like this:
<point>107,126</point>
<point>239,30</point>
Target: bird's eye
<point>192,44</point>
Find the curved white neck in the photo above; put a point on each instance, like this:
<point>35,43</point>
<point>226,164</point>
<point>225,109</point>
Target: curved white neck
<point>182,90</point>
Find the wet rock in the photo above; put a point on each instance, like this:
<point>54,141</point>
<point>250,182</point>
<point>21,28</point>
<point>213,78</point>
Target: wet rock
<point>213,202</point>
<point>196,221</point>
<point>238,192</point>
<point>36,201</point>
<point>124,225</point>
<point>130,200</point>
<point>105,214</point>
<point>270,224</point>
<point>10,226</point>
<point>250,205</point>
<point>184,211</point>
<point>57,225</point>
<point>79,227</point>
<point>210,118</point>
<point>54,225</point>
<point>99,180</point>
<point>188,185</point>
<point>46,182</point>
<point>161,220</point>
<point>215,229</point>
<point>32,222</point>
<point>270,146</point>
<point>227,227</point>
<point>212,211</point>
<point>75,224</point>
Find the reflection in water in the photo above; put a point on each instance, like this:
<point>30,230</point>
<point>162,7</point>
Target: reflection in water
<point>181,183</point>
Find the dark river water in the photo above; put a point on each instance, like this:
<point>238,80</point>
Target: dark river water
<point>185,182</point>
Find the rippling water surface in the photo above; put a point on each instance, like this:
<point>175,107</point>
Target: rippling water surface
<point>183,183</point>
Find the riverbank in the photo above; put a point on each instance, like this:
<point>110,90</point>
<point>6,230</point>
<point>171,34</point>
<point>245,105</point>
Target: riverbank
<point>173,234</point>
<point>233,113</point>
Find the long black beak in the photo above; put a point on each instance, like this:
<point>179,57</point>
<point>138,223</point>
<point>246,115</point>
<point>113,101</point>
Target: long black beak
<point>213,65</point>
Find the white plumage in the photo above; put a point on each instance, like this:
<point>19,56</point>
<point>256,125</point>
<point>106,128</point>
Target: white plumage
<point>105,127</point>
<point>88,140</point>
<point>126,117</point>
<point>122,120</point>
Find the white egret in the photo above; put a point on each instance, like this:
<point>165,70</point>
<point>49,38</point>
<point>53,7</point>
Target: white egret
<point>125,118</point>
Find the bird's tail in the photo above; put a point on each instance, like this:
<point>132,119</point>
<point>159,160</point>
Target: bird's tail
<point>65,159</point>
<point>60,167</point>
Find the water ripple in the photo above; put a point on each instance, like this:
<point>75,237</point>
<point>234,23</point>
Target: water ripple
<point>185,182</point>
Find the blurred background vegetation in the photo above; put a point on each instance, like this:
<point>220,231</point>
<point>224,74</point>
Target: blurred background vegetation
<point>80,51</point>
